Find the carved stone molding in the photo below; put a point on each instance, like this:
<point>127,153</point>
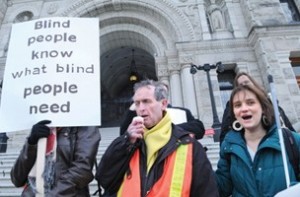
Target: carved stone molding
<point>174,66</point>
<point>186,59</point>
<point>52,8</point>
<point>163,72</point>
<point>9,3</point>
<point>23,16</point>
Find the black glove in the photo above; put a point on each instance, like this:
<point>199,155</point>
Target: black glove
<point>39,130</point>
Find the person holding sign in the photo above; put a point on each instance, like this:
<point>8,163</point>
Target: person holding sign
<point>188,122</point>
<point>67,175</point>
<point>155,157</point>
<point>250,155</point>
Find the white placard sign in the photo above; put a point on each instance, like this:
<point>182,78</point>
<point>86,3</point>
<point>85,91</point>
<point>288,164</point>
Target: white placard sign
<point>52,72</point>
<point>178,116</point>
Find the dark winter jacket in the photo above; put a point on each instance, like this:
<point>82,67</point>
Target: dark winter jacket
<point>239,176</point>
<point>73,168</point>
<point>227,120</point>
<point>192,125</point>
<point>115,161</point>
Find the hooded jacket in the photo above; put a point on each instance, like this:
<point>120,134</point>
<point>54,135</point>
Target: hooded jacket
<point>239,176</point>
<point>73,168</point>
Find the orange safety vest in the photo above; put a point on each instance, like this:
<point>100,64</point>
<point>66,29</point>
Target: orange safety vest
<point>175,180</point>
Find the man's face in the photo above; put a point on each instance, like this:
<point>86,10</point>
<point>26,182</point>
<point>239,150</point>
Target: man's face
<point>148,107</point>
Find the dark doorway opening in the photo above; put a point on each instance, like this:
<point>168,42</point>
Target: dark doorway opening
<point>116,86</point>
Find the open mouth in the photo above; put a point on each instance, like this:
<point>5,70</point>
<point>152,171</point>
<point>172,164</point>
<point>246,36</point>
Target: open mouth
<point>246,117</point>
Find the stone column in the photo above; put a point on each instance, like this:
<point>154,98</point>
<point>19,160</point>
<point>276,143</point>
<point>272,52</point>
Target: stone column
<point>287,89</point>
<point>188,90</point>
<point>163,72</point>
<point>231,8</point>
<point>175,85</point>
<point>165,80</point>
<point>3,9</point>
<point>205,29</point>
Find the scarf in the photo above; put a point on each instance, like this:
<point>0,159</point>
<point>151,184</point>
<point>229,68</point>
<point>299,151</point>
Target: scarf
<point>156,138</point>
<point>47,178</point>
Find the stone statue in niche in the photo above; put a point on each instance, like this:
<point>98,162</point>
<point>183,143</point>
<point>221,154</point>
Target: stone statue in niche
<point>217,20</point>
<point>52,8</point>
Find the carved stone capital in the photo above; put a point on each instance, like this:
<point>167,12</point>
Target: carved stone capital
<point>162,72</point>
<point>52,8</point>
<point>173,66</point>
<point>186,59</point>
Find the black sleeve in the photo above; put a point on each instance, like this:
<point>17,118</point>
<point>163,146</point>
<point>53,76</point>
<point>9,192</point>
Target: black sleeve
<point>129,115</point>
<point>203,181</point>
<point>285,119</point>
<point>226,120</point>
<point>192,125</point>
<point>114,164</point>
<point>79,173</point>
<point>22,167</point>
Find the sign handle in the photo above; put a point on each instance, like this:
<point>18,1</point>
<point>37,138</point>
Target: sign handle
<point>281,140</point>
<point>40,164</point>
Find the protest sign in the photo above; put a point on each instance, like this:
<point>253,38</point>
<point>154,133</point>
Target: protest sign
<point>52,72</point>
<point>178,116</point>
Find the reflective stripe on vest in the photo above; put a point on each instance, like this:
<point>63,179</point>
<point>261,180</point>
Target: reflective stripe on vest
<point>175,180</point>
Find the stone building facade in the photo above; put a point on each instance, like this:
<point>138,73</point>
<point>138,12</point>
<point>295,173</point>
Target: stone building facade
<point>166,36</point>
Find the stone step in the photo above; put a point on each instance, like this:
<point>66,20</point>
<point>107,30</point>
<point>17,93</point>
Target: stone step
<point>11,157</point>
<point>6,187</point>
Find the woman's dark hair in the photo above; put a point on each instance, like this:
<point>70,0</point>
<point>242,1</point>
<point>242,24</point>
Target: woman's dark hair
<point>267,108</point>
<point>235,82</point>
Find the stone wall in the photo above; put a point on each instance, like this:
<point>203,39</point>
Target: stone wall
<point>3,8</point>
<point>253,36</point>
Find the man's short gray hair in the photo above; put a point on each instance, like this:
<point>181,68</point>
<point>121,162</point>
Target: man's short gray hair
<point>160,92</point>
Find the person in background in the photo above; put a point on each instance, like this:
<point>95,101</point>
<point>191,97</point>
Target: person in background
<point>250,155</point>
<point>3,136</point>
<point>243,78</point>
<point>155,157</point>
<point>3,142</point>
<point>73,169</point>
<point>192,124</point>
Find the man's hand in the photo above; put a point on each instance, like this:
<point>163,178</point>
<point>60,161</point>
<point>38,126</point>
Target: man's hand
<point>136,129</point>
<point>39,130</point>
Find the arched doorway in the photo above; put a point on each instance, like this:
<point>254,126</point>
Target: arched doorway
<point>116,86</point>
<point>140,25</point>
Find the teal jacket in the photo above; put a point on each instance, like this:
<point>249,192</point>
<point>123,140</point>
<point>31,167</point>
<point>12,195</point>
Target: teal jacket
<point>238,176</point>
